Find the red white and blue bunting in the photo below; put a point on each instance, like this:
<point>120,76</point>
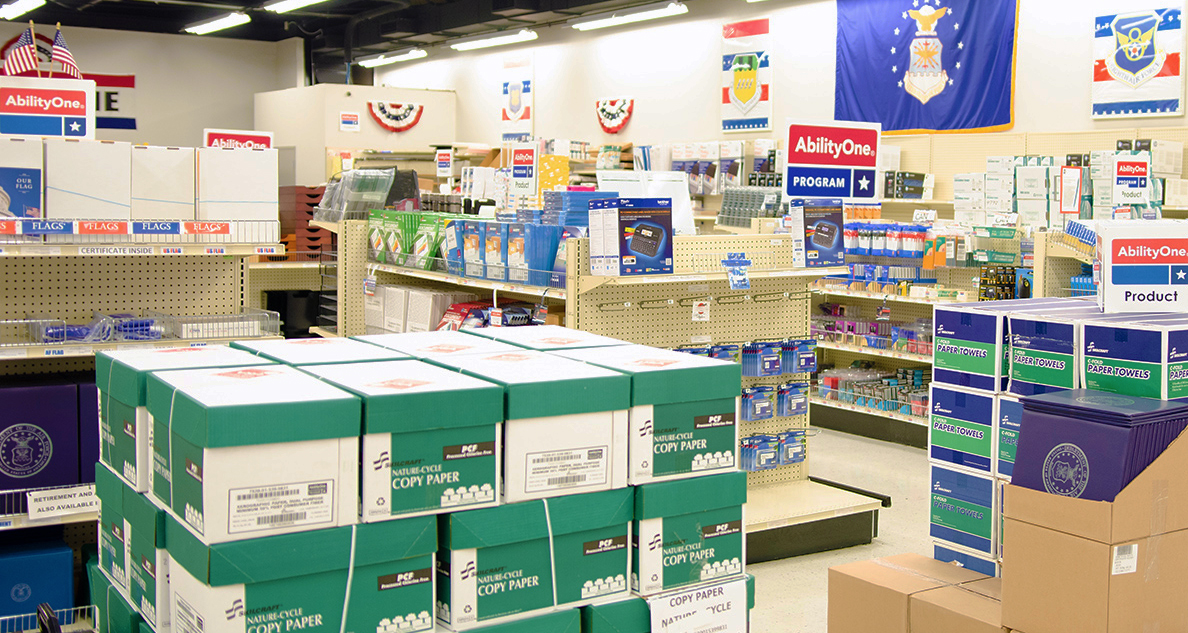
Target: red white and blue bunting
<point>613,114</point>
<point>396,117</point>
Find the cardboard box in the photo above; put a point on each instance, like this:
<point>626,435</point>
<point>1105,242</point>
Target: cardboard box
<point>427,307</point>
<point>38,435</point>
<point>567,621</point>
<point>1000,165</point>
<point>964,510</point>
<point>437,344</point>
<point>163,183</point>
<point>147,560</point>
<point>300,581</point>
<point>431,437</point>
<point>973,607</point>
<point>1032,212</point>
<point>21,191</point>
<point>1090,566</point>
<point>237,184</point>
<point>1046,349</point>
<point>1167,158</point>
<point>688,532</point>
<point>254,451</point>
<point>1010,418</point>
<point>963,428</point>
<point>541,554</point>
<point>1133,277</point>
<point>116,614</point>
<point>114,557</point>
<point>124,421</point>
<point>565,428</point>
<point>317,351</point>
<point>633,615</point>
<point>88,431</point>
<point>87,180</point>
<point>874,596</point>
<point>545,338</point>
<point>683,420</point>
<point>1136,357</point>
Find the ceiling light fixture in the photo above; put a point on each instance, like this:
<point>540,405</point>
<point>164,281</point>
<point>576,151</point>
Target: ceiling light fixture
<point>284,6</point>
<point>384,59</point>
<point>20,7</point>
<point>218,24</point>
<point>628,16</point>
<point>487,41</point>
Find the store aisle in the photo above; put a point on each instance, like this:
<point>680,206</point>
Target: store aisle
<point>791,594</point>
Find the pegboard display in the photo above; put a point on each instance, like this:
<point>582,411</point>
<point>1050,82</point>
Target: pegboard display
<point>771,426</point>
<point>261,279</point>
<point>915,151</point>
<point>1061,143</point>
<point>1052,273</point>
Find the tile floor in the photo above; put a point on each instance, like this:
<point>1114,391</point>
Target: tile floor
<point>791,594</point>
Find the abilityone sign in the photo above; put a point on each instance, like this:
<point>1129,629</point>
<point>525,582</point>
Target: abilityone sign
<point>43,107</point>
<point>832,160</point>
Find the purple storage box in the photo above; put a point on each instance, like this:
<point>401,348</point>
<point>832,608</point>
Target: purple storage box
<point>1091,444</point>
<point>88,431</point>
<point>38,436</point>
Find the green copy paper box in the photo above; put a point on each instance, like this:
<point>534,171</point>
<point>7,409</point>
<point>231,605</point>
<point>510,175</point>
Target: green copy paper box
<point>113,545</point>
<point>565,422</point>
<point>688,532</point>
<point>1144,356</point>
<point>438,344</point>
<point>972,342</point>
<point>317,351</point>
<point>684,410</point>
<point>545,338</point>
<point>254,451</point>
<point>567,621</point>
<point>523,557</point>
<point>633,615</point>
<point>116,615</point>
<point>378,576</point>
<point>148,562</point>
<point>431,440</point>
<point>125,427</point>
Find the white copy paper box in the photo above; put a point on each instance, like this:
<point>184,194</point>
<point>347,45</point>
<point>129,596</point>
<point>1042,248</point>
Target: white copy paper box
<point>21,178</point>
<point>237,184</point>
<point>87,180</point>
<point>162,183</point>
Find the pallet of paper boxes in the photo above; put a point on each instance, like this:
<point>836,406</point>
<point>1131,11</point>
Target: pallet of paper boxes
<point>1057,463</point>
<point>410,482</point>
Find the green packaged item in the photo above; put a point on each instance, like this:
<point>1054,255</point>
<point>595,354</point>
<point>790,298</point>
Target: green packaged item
<point>688,531</point>
<point>431,440</point>
<point>375,236</point>
<point>377,576</point>
<point>514,559</point>
<point>148,561</point>
<point>426,242</point>
<point>633,615</point>
<point>116,615</point>
<point>113,546</point>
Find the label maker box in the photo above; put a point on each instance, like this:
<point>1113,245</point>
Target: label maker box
<point>532,556</point>
<point>254,451</point>
<point>565,422</point>
<point>688,532</point>
<point>683,420</point>
<point>431,437</point>
<point>125,425</point>
<point>299,582</point>
<point>317,351</point>
<point>963,428</point>
<point>1143,266</point>
<point>636,236</point>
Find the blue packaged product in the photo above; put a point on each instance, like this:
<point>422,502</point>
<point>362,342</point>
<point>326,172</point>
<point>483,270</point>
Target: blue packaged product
<point>726,352</point>
<point>980,564</point>
<point>756,404</point>
<point>545,245</point>
<point>760,452</point>
<point>517,252</point>
<point>793,447</point>
<point>962,429</point>
<point>453,246</point>
<point>1010,419</point>
<point>33,573</point>
<point>963,509</point>
<point>474,235</point>
<point>792,399</point>
<point>495,251</point>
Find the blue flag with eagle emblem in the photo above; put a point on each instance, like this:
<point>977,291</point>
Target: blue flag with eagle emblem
<point>926,65</point>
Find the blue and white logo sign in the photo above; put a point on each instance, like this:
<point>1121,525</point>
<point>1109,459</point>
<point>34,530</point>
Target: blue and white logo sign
<point>1066,470</point>
<point>834,159</point>
<point>25,450</point>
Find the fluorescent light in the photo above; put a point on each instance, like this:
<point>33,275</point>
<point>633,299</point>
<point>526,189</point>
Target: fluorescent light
<point>19,8</point>
<point>385,59</point>
<point>628,16</point>
<point>284,6</point>
<point>218,24</point>
<point>471,43</point>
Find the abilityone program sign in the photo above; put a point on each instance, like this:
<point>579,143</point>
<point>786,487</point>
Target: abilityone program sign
<point>47,107</point>
<point>832,159</point>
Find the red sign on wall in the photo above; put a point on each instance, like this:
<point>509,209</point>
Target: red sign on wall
<point>236,139</point>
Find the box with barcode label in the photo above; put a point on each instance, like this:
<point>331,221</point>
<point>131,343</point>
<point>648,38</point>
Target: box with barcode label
<point>683,420</point>
<point>688,532</point>
<point>375,576</point>
<point>499,563</point>
<point>565,423</point>
<point>124,423</point>
<point>431,437</point>
<point>243,453</point>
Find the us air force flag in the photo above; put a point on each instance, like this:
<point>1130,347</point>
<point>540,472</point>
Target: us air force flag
<point>924,65</point>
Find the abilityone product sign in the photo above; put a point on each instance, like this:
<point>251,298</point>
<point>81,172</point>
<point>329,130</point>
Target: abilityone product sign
<point>832,160</point>
<point>43,107</point>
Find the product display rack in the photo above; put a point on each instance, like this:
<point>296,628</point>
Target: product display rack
<point>346,280</point>
<point>1055,264</point>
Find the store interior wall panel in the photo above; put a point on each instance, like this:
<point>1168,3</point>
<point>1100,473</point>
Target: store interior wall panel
<point>963,153</point>
<point>915,151</point>
<point>1061,143</point>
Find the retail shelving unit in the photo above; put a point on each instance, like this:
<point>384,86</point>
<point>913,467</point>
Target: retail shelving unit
<point>345,277</point>
<point>1056,263</point>
<point>71,281</point>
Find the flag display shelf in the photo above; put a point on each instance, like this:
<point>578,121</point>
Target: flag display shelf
<point>15,504</point>
<point>245,237</point>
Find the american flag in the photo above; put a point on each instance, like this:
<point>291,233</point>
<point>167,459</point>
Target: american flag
<point>22,57</point>
<point>62,54</point>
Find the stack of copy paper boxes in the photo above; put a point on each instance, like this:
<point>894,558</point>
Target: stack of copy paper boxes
<point>494,480</point>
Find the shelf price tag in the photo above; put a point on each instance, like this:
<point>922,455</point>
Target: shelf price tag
<point>924,215</point>
<point>266,250</point>
<point>60,502</point>
<point>715,608</point>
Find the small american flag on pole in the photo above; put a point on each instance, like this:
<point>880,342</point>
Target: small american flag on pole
<point>62,55</point>
<point>22,57</point>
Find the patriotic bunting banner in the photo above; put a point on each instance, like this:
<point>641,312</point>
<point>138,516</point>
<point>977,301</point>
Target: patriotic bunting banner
<point>746,76</point>
<point>1137,64</point>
